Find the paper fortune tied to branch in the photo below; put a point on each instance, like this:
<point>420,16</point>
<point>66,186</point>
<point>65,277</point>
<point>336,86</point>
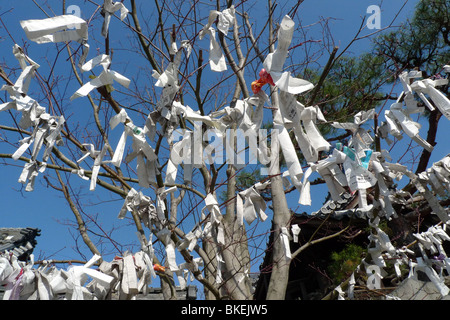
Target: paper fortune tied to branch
<point>56,29</point>
<point>226,19</point>
<point>274,61</point>
<point>62,28</point>
<point>107,77</point>
<point>109,8</point>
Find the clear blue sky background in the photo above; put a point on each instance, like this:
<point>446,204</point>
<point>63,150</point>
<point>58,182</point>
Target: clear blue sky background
<point>43,208</point>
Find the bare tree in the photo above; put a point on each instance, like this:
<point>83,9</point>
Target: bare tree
<point>171,88</point>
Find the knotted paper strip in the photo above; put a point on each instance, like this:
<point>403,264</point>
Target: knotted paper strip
<point>274,62</point>
<point>106,77</point>
<point>109,7</point>
<point>226,19</point>
<point>62,28</point>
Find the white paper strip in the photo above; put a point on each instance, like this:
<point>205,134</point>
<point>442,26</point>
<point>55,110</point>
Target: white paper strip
<point>106,77</point>
<point>287,147</point>
<point>284,236</point>
<point>62,28</point>
<point>274,61</point>
<point>295,232</point>
<point>253,206</point>
<point>226,19</point>
<point>55,29</point>
<point>109,7</point>
<point>428,86</point>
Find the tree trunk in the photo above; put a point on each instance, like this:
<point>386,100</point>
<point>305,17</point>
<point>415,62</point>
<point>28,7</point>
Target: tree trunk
<point>235,251</point>
<point>281,216</point>
<point>210,249</point>
<point>280,265</point>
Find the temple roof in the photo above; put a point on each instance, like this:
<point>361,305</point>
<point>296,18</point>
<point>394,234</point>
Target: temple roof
<point>19,241</point>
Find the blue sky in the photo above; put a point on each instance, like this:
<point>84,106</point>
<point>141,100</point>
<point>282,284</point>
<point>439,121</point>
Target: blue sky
<point>43,208</point>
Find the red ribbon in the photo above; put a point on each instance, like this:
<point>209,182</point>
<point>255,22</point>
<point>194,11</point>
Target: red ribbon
<point>159,268</point>
<point>264,77</point>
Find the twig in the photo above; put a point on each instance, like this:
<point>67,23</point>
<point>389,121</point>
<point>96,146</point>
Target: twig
<point>324,74</point>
